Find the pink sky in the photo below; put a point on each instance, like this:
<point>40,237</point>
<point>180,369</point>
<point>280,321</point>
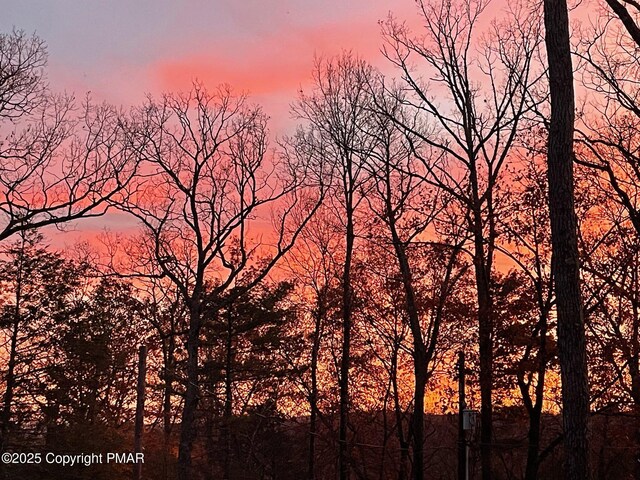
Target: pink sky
<point>122,49</point>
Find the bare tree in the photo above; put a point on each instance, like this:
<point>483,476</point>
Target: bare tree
<point>403,202</point>
<point>527,334</point>
<point>208,177</point>
<point>22,76</point>
<point>58,162</point>
<point>609,119</point>
<point>474,130</point>
<point>607,144</point>
<point>388,340</point>
<point>611,282</point>
<point>338,112</point>
<point>314,264</point>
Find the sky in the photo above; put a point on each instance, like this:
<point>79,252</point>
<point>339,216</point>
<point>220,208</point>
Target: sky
<point>119,50</point>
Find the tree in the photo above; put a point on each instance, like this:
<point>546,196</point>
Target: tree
<point>564,241</point>
<point>473,132</point>
<point>385,315</point>
<point>524,326</point>
<point>612,303</point>
<point>22,78</point>
<point>58,163</point>
<point>209,178</point>
<point>626,17</point>
<point>314,264</point>
<point>404,205</point>
<point>166,313</point>
<point>607,145</point>
<point>608,123</point>
<point>93,379</point>
<point>36,286</point>
<point>246,368</point>
<point>70,348</point>
<point>338,112</point>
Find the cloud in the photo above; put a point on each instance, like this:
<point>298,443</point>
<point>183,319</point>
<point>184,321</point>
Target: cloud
<point>270,63</point>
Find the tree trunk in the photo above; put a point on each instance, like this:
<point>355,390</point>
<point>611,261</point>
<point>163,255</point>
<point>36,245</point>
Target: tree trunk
<point>634,364</point>
<point>634,373</point>
<point>313,395</point>
<point>535,410</point>
<point>418,417</point>
<point>343,453</point>
<point>10,385</point>
<point>533,447</point>
<point>420,357</point>
<point>188,427</point>
<point>485,331</point>
<point>139,423</point>
<point>565,264</point>
<point>420,365</point>
<point>403,443</point>
<point>462,405</point>
<point>228,399</point>
<point>13,357</point>
<point>166,402</point>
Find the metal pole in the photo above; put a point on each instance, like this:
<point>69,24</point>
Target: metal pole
<point>462,444</point>
<point>466,461</point>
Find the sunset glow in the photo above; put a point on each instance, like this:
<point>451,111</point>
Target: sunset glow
<point>374,239</point>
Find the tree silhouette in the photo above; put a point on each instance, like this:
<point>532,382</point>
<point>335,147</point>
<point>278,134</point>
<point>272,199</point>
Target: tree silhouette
<point>566,263</point>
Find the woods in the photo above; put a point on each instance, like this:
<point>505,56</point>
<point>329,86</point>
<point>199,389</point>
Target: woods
<point>296,304</point>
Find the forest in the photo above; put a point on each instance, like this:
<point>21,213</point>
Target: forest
<point>434,275</point>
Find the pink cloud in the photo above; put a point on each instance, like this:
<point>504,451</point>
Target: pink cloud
<point>276,63</point>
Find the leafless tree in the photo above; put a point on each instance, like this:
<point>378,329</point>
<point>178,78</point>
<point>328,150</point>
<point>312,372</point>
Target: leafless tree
<point>22,76</point>
<point>338,112</point>
<point>58,161</point>
<point>607,144</point>
<point>610,118</point>
<point>314,264</point>
<point>208,180</point>
<point>526,242</point>
<point>404,203</point>
<point>473,130</point>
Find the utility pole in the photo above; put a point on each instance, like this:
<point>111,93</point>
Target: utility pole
<point>462,406</point>
<point>139,422</point>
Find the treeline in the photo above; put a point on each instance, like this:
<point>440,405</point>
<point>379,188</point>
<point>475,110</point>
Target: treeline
<point>304,300</point>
